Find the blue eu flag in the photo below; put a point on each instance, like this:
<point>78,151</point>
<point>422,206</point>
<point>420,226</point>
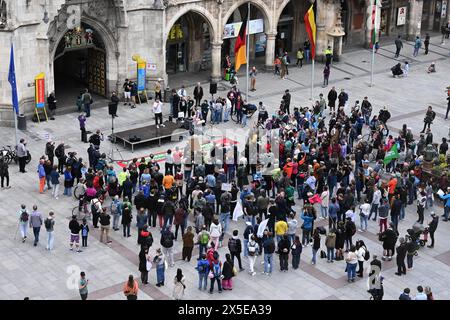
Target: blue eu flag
<point>12,81</point>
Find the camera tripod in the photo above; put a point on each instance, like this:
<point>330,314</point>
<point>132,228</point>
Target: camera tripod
<point>113,140</point>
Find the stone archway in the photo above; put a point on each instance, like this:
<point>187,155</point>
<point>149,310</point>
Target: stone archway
<point>196,50</point>
<point>262,7</point>
<point>103,17</point>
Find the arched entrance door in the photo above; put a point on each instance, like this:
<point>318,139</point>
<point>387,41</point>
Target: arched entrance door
<point>188,47</point>
<point>80,63</point>
<point>257,46</point>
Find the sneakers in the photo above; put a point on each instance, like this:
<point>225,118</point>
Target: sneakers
<point>253,273</point>
<point>157,126</point>
<point>163,125</point>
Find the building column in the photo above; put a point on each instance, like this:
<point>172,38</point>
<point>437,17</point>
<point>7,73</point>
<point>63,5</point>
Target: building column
<point>216,61</point>
<point>270,50</point>
<point>414,21</point>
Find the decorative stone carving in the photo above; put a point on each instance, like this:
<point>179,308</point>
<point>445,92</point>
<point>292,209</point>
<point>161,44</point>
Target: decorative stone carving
<point>3,13</point>
<point>107,12</point>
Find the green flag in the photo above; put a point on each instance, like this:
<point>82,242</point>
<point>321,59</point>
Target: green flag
<point>391,154</point>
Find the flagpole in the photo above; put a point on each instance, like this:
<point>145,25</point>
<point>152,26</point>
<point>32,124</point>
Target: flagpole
<point>248,50</point>
<point>14,109</point>
<point>312,79</point>
<point>374,38</point>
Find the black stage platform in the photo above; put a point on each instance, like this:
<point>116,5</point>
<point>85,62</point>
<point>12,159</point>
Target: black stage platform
<point>150,133</point>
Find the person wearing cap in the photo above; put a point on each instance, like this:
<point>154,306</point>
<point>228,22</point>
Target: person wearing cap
<point>432,226</point>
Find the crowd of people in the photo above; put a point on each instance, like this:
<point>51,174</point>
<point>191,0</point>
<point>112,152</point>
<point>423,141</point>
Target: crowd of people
<point>339,172</point>
<point>327,183</point>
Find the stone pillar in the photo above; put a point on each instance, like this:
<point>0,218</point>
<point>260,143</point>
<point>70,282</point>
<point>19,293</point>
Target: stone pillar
<point>216,61</point>
<point>270,50</point>
<point>414,19</point>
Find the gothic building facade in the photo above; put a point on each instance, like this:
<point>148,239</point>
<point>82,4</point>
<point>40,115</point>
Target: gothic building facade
<point>96,44</point>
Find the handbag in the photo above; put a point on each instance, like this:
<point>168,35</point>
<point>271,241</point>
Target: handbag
<point>149,265</point>
<point>210,275</point>
<point>235,271</point>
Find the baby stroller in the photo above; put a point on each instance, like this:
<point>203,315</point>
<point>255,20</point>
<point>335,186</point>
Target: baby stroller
<point>418,233</point>
<point>377,293</point>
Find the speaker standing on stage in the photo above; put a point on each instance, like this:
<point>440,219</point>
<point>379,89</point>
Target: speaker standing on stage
<point>157,110</point>
<point>158,89</point>
<point>114,103</point>
<point>198,94</point>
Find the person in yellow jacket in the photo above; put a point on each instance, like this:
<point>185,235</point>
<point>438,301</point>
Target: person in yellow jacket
<point>300,57</point>
<point>122,176</point>
<point>281,228</point>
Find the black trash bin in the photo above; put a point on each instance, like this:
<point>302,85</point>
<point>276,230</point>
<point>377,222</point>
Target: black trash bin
<point>21,122</point>
<point>167,92</point>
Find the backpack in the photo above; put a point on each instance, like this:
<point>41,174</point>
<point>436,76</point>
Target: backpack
<point>288,59</point>
<point>216,270</point>
<point>204,238</point>
<point>47,223</point>
<point>271,246</point>
<point>232,245</point>
<point>166,241</point>
<point>252,249</point>
<point>24,216</point>
<point>114,208</point>
<point>201,268</point>
<point>323,255</point>
<point>149,240</point>
<point>366,254</point>
<point>58,152</point>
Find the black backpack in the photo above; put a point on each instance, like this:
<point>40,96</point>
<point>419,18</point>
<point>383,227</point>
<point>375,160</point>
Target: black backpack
<point>232,245</point>
<point>271,246</point>
<point>48,223</point>
<point>24,216</point>
<point>59,152</point>
<point>366,254</point>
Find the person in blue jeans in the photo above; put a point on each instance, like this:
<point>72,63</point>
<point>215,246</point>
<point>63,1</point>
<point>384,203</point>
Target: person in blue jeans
<point>330,243</point>
<point>307,226</point>
<point>160,261</point>
<point>203,271</point>
<point>446,199</point>
<point>352,262</point>
<point>269,249</point>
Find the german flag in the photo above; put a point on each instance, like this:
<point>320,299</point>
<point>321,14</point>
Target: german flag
<point>310,24</point>
<point>240,50</point>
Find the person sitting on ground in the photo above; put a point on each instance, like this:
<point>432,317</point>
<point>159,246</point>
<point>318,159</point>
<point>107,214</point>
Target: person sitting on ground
<point>432,68</point>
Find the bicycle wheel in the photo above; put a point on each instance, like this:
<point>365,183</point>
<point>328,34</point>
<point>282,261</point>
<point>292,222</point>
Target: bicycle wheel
<point>234,117</point>
<point>78,192</point>
<point>28,157</point>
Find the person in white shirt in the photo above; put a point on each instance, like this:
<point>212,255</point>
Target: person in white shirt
<point>375,202</point>
<point>325,199</point>
<point>351,214</point>
<point>157,110</point>
<point>215,230</point>
<point>420,294</point>
<point>182,92</point>
<point>360,252</point>
<point>364,215</point>
<point>228,107</point>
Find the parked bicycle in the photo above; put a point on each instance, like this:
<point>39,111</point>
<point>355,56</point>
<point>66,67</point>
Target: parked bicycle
<point>250,112</point>
<point>9,155</point>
